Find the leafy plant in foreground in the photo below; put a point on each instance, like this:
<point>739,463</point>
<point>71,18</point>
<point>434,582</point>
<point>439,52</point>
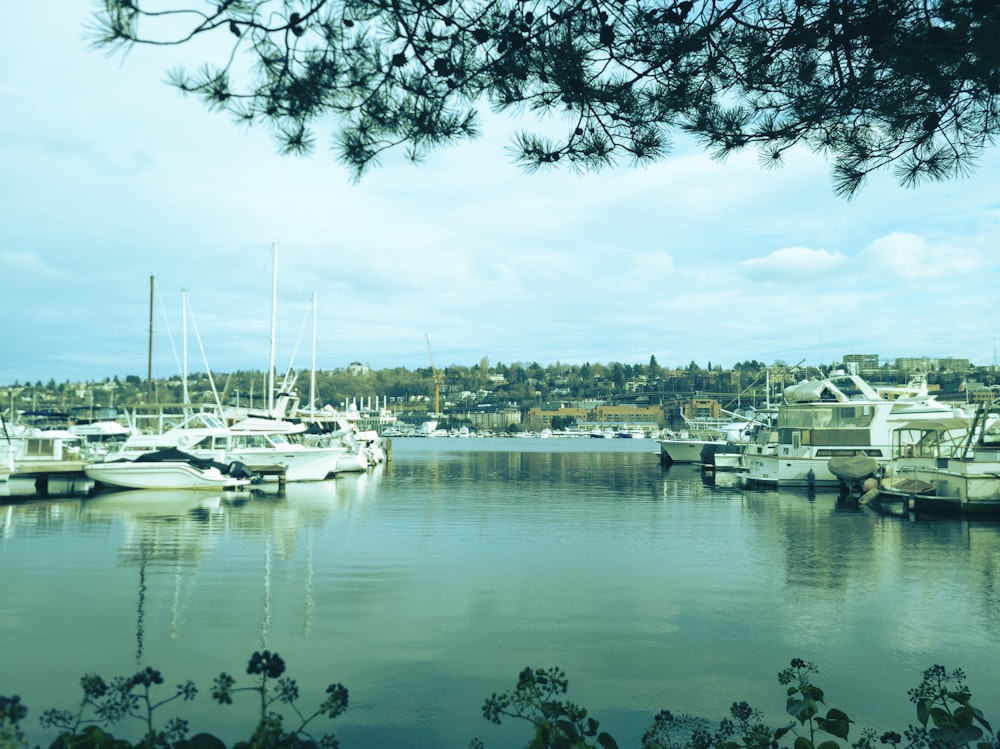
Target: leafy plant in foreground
<point>269,667</point>
<point>947,719</point>
<point>104,703</point>
<point>558,724</point>
<point>11,713</point>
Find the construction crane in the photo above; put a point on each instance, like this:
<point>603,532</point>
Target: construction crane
<point>437,378</point>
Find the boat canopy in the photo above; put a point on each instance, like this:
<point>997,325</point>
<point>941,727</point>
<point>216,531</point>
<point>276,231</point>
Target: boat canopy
<point>935,425</point>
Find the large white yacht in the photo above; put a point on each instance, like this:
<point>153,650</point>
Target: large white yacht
<point>837,416</point>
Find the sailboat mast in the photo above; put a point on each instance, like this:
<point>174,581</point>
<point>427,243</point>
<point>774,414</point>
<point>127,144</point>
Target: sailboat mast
<point>274,319</point>
<point>312,369</point>
<point>149,363</point>
<point>184,346</point>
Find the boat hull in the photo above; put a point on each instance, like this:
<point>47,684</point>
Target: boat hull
<point>165,475</point>
<point>684,451</point>
<point>954,487</point>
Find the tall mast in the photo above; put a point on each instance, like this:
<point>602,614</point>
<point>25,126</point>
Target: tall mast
<point>184,345</point>
<point>312,369</point>
<point>274,319</point>
<point>149,365</point>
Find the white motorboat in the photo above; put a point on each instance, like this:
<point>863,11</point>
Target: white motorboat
<point>700,435</point>
<point>686,446</point>
<point>838,416</point>
<point>169,469</point>
<point>257,442</point>
<point>946,465</point>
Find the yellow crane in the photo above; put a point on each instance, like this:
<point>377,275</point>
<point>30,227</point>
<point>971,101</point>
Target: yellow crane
<point>437,378</point>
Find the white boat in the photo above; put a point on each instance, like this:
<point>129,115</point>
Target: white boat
<point>947,465</point>
<point>255,441</point>
<point>6,461</point>
<point>689,444</point>
<point>686,446</point>
<point>26,449</point>
<point>168,469</point>
<point>371,445</point>
<point>101,437</point>
<point>721,456</point>
<point>428,429</point>
<point>838,416</point>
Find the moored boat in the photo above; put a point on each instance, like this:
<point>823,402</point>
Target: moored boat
<point>949,466</point>
<point>255,441</point>
<point>686,447</point>
<point>169,469</point>
<point>839,416</point>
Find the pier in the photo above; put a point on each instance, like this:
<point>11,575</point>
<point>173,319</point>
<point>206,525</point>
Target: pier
<point>42,470</point>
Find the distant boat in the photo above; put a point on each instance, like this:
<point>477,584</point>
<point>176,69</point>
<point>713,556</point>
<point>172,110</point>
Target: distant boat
<point>427,429</point>
<point>169,469</point>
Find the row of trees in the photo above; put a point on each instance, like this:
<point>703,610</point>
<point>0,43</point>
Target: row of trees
<point>461,387</point>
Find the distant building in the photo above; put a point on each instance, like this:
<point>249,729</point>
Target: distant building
<point>702,408</point>
<point>952,364</point>
<point>357,368</point>
<point>911,365</point>
<point>541,417</point>
<point>861,364</point>
<point>629,414</point>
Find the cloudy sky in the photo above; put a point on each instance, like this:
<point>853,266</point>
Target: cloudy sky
<point>109,177</point>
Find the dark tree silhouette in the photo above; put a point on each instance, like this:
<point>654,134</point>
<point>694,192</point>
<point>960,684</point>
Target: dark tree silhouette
<point>908,85</point>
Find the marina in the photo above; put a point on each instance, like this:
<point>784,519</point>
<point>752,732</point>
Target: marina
<point>429,582</point>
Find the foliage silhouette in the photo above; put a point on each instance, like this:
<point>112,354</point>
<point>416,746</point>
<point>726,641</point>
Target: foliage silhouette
<point>872,85</point>
<point>946,718</point>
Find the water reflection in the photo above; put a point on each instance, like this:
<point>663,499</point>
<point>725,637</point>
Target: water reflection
<point>428,584</point>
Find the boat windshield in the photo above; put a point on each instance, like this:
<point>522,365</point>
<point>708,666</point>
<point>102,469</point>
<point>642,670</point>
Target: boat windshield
<point>242,441</point>
<point>826,417</point>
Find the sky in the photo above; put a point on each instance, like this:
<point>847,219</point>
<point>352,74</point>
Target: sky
<point>110,177</point>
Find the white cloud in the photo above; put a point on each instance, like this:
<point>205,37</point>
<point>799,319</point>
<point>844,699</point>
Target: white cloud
<point>793,264</point>
<point>912,258</point>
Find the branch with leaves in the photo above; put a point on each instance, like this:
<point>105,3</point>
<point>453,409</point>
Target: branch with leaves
<point>895,84</point>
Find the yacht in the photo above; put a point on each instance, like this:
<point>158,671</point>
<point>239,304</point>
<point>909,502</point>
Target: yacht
<point>255,441</point>
<point>699,435</point>
<point>945,465</point>
<point>838,416</point>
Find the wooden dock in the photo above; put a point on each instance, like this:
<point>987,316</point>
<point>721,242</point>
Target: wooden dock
<point>42,470</point>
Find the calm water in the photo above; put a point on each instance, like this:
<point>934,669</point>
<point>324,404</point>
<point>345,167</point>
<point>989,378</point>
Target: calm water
<point>428,584</point>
